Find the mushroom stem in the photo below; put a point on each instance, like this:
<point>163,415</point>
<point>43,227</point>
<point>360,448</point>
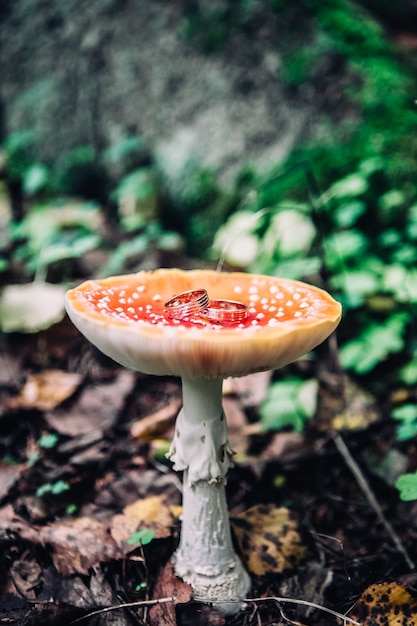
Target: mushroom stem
<point>205,557</point>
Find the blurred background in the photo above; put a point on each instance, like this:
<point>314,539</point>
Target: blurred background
<point>269,135</point>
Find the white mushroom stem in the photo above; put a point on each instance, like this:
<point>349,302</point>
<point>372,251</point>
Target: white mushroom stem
<point>205,557</point>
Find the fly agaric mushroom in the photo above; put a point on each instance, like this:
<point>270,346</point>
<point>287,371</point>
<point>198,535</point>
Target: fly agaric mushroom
<point>142,322</point>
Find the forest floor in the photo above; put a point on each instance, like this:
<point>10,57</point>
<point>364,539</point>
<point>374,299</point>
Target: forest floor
<point>90,508</point>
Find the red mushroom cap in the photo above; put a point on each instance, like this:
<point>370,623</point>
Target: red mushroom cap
<point>124,317</point>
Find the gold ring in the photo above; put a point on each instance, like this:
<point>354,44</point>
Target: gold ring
<point>187,303</point>
<point>226,311</point>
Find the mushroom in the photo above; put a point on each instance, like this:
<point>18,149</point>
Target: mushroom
<point>126,318</point>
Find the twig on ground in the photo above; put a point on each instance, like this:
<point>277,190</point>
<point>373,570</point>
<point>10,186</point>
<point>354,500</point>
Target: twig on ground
<point>276,599</point>
<point>125,605</point>
<point>363,484</point>
<point>279,600</point>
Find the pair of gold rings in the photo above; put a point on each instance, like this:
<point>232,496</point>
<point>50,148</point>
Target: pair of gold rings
<point>197,303</point>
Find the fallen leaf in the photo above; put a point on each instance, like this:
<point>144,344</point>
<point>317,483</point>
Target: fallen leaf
<point>151,513</point>
<point>352,410</point>
<point>268,539</point>
<point>251,389</point>
<point>31,307</point>
<point>9,476</point>
<point>168,585</point>
<point>79,544</point>
<point>97,408</point>
<point>46,390</point>
<point>26,575</point>
<point>51,613</point>
<point>386,604</point>
<point>156,424</point>
<point>285,446</point>
<point>236,426</point>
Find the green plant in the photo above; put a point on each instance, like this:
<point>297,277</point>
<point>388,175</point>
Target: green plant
<point>48,440</point>
<point>56,488</point>
<point>141,537</point>
<point>54,232</point>
<point>360,235</point>
<point>406,415</point>
<point>290,402</point>
<point>407,486</point>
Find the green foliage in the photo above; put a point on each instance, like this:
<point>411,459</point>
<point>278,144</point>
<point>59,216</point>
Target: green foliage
<point>137,199</point>
<point>407,486</point>
<point>79,173</point>
<point>360,233</point>
<point>290,402</point>
<point>18,148</point>
<point>382,87</point>
<point>54,232</point>
<point>56,488</point>
<point>48,440</point>
<point>36,179</point>
<point>374,344</point>
<point>141,537</point>
<point>407,416</point>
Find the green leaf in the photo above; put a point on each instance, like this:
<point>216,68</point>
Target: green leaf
<point>407,486</point>
<point>352,186</point>
<point>49,440</point>
<point>35,178</point>
<point>391,200</point>
<point>60,486</point>
<point>297,268</point>
<point>344,245</point>
<point>348,213</point>
<point>356,285</point>
<point>289,403</point>
<point>400,281</point>
<point>374,345</point>
<point>407,414</point>
<point>70,249</point>
<point>408,373</point>
<point>142,537</point>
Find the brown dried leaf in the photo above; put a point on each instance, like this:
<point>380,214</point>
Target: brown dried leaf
<point>285,446</point>
<point>251,389</point>
<point>386,603</point>
<point>26,576</point>
<point>51,613</point>
<point>46,390</point>
<point>156,425</point>
<point>168,585</point>
<point>97,408</point>
<point>236,423</point>
<point>152,512</point>
<point>79,544</point>
<point>9,475</point>
<point>352,410</point>
<point>268,539</point>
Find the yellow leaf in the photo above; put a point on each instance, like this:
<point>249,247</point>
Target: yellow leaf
<point>152,512</point>
<point>46,390</point>
<point>268,539</point>
<point>388,604</point>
